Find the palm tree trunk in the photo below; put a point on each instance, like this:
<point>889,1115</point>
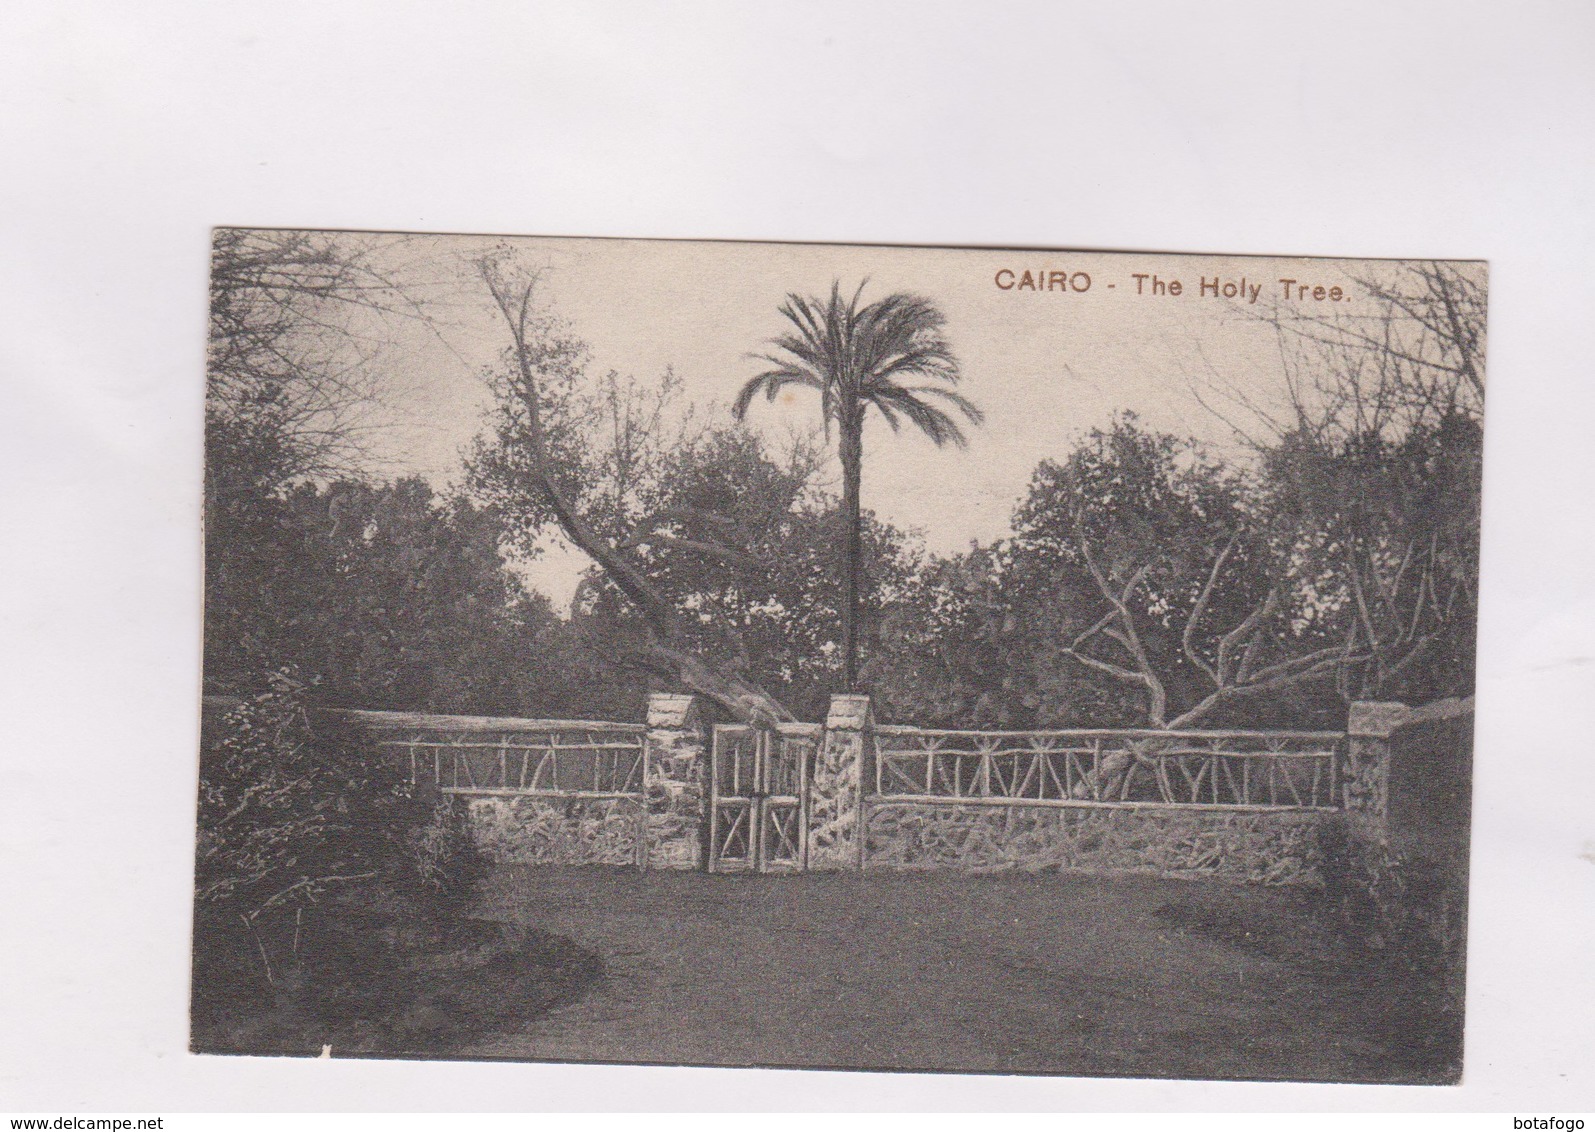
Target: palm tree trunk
<point>852,451</point>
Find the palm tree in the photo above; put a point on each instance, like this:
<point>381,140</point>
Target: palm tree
<point>857,359</point>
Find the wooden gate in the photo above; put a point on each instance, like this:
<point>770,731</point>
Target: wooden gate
<point>758,798</point>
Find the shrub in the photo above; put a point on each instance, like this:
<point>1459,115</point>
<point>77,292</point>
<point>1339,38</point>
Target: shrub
<point>297,824</point>
<point>444,864</point>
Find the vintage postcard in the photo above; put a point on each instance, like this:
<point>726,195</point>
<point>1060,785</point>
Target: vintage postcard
<point>877,658</point>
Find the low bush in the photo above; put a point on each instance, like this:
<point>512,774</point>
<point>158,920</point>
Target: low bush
<point>313,850</point>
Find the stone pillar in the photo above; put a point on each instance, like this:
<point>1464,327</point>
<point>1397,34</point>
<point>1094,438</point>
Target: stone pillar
<point>1365,781</point>
<point>676,762</point>
<point>1408,788</point>
<point>837,787</point>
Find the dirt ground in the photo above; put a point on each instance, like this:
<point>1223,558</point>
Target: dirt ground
<point>998,973</point>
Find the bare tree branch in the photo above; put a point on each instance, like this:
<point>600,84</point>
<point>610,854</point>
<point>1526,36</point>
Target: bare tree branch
<point>664,648</point>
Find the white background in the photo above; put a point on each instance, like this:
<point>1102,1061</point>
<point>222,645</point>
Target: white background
<point>127,131</point>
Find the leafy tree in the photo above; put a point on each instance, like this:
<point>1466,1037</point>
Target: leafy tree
<point>1390,550</point>
<point>732,538</point>
<point>1179,589</point>
<point>976,640</point>
<point>392,597</point>
<point>291,393</point>
<point>858,358</point>
<point>948,646</point>
<point>596,465</point>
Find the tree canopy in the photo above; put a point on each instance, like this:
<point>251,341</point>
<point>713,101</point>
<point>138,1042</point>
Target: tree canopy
<point>1147,581</point>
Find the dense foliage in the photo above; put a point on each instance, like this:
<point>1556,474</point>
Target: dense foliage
<point>392,597</point>
<point>295,818</point>
<point>1146,581</point>
<point>735,535</point>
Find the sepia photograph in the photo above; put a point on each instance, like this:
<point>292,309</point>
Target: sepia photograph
<point>826,656</point>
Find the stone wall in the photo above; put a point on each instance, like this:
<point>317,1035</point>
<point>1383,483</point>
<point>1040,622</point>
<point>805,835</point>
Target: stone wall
<point>1272,848</point>
<point>1397,851</point>
<point>555,831</point>
<point>659,828</point>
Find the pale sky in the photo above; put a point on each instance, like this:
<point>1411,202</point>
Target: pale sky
<point>1045,366</point>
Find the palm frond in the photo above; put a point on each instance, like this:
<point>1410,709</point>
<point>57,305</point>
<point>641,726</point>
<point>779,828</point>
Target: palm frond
<point>932,421</point>
<point>890,414</point>
<point>857,355</point>
<point>770,383</point>
<point>807,351</point>
<point>931,359</point>
<point>963,404</point>
<point>805,315</point>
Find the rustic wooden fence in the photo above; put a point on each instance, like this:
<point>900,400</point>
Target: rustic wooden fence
<point>537,791</point>
<point>1221,770</point>
<point>1389,797</point>
<point>480,755</point>
<point>1241,805</point>
<point>677,792</point>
